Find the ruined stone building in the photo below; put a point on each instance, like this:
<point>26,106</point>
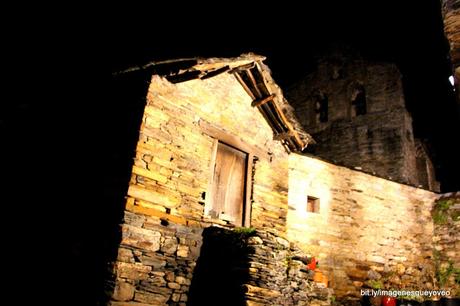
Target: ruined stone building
<point>451,17</point>
<point>223,207</point>
<point>355,110</point>
<point>236,185</point>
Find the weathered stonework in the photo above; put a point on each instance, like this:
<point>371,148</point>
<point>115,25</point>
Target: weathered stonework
<point>451,16</point>
<point>367,227</point>
<point>278,279</point>
<point>173,162</point>
<point>164,217</point>
<point>254,268</point>
<point>155,261</point>
<point>378,137</point>
<point>446,216</point>
<point>425,168</point>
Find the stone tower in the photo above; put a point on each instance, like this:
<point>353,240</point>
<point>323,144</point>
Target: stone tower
<point>451,18</point>
<point>355,110</point>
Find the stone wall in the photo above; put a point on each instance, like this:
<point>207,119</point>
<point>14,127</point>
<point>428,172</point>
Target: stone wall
<point>381,141</point>
<point>155,262</point>
<point>446,217</point>
<point>277,278</point>
<point>338,77</point>
<point>426,170</point>
<point>364,143</point>
<point>173,159</point>
<point>253,268</point>
<point>368,230</point>
<point>164,216</point>
<point>451,16</point>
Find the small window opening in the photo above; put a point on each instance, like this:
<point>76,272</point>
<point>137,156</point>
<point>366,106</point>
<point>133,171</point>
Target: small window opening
<point>312,204</point>
<point>337,72</point>
<point>321,108</point>
<point>359,102</point>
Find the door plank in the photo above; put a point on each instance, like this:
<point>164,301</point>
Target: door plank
<point>229,183</point>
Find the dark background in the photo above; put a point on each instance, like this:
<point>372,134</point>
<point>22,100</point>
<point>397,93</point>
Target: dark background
<point>408,33</point>
<point>71,136</point>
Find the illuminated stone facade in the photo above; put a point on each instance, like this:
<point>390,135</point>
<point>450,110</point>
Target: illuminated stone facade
<point>365,227</point>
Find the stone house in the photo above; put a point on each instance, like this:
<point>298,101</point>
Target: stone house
<point>223,202</point>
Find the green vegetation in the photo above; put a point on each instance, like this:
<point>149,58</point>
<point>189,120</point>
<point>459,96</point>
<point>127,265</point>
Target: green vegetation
<point>245,231</point>
<point>439,217</point>
<point>417,298</point>
<point>455,216</point>
<point>444,266</point>
<point>443,274</point>
<point>333,299</point>
<point>437,265</point>
<point>440,211</point>
<point>287,261</point>
<point>375,284</point>
<point>436,257</point>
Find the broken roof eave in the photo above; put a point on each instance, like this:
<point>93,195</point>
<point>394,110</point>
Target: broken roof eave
<point>255,78</point>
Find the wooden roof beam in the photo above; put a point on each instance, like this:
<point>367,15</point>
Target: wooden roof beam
<point>262,101</point>
<point>288,124</point>
<point>245,86</point>
<point>215,72</point>
<point>254,82</point>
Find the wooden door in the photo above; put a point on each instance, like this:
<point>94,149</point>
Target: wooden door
<point>229,180</point>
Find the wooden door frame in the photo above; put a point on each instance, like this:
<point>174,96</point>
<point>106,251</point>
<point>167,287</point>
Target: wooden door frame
<point>219,135</point>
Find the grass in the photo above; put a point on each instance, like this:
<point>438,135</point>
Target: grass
<point>443,274</point>
<point>245,231</point>
<point>440,211</point>
<point>375,284</point>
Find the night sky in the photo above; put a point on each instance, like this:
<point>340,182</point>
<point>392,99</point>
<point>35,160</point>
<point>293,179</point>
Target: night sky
<point>408,33</point>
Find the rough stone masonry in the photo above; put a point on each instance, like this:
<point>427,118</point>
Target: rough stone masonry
<point>451,17</point>
<point>365,227</point>
<point>162,233</point>
<point>355,110</point>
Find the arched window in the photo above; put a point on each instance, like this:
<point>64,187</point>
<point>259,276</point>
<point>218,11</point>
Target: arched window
<point>321,107</point>
<point>358,101</point>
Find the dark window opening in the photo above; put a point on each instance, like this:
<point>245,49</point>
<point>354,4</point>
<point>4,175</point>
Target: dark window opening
<point>337,73</point>
<point>359,102</point>
<point>312,204</point>
<point>422,170</point>
<point>321,108</point>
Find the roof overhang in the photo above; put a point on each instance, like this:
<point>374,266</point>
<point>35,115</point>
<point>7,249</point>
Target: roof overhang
<point>255,78</point>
